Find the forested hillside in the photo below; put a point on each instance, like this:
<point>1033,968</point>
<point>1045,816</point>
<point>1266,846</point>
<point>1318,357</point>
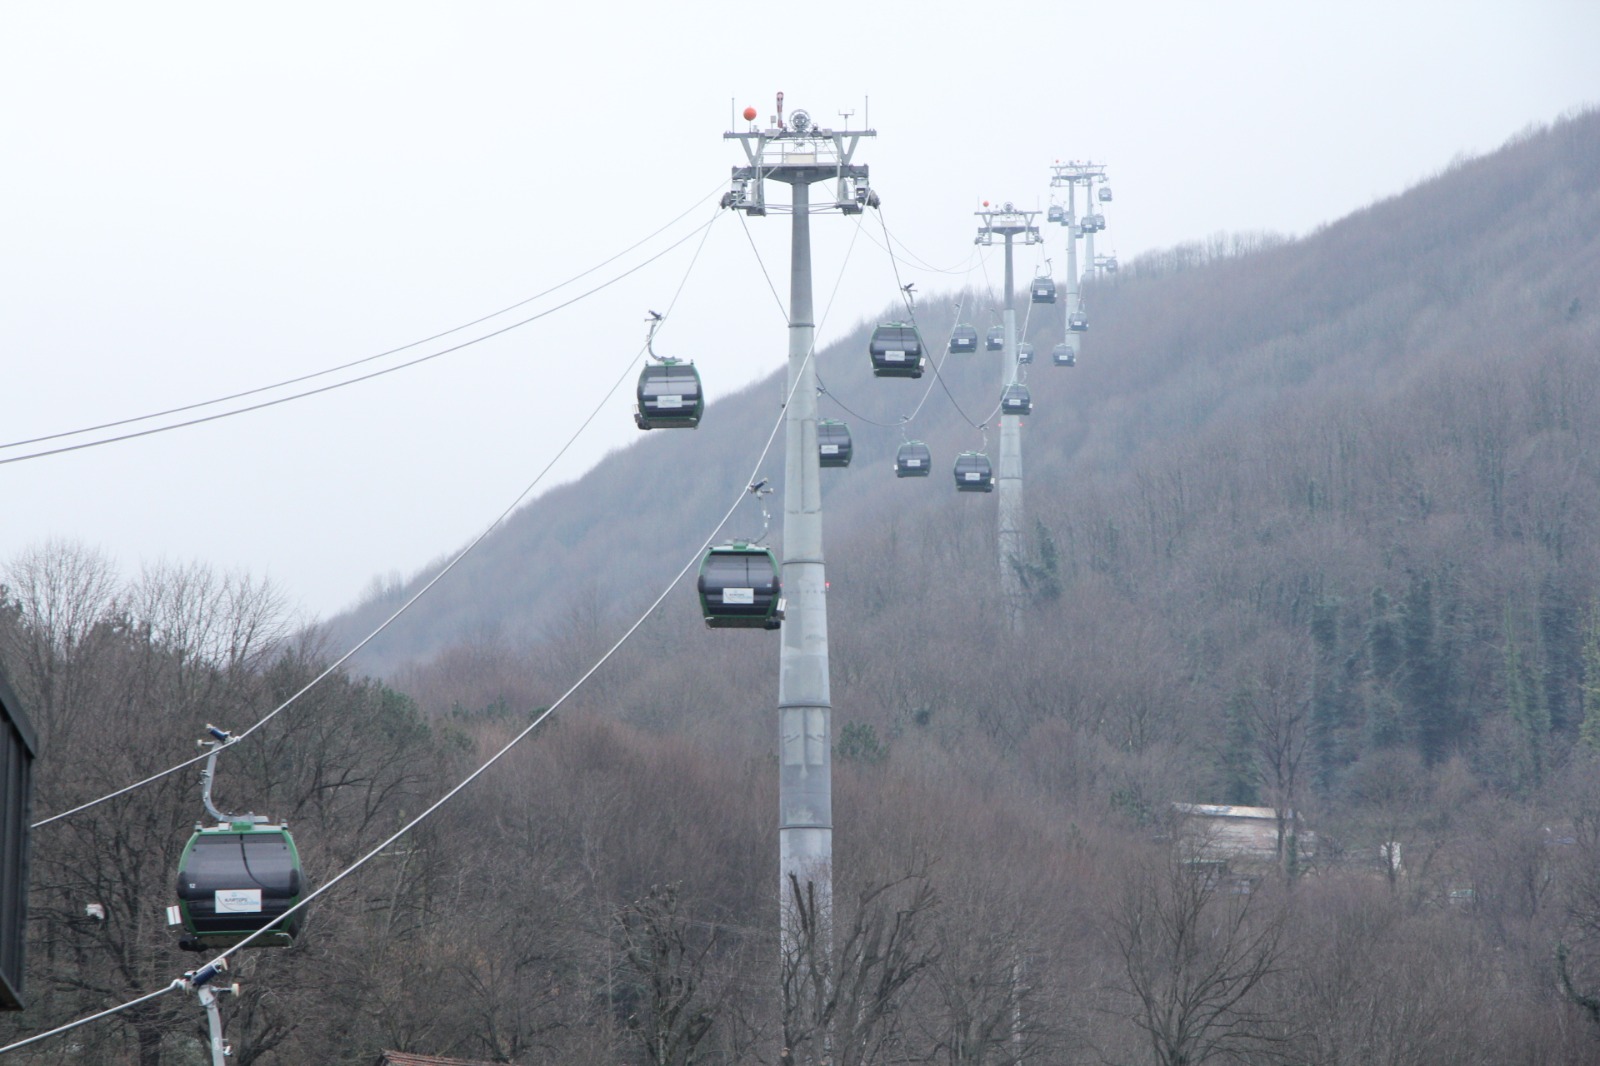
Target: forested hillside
<point>1315,526</point>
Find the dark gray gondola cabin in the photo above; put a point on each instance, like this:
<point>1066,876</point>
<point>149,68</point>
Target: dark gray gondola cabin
<point>1015,399</point>
<point>974,473</point>
<point>896,350</point>
<point>18,747</point>
<point>995,339</point>
<point>235,880</point>
<point>963,340</point>
<point>740,587</point>
<point>913,460</point>
<point>669,396</point>
<point>833,443</point>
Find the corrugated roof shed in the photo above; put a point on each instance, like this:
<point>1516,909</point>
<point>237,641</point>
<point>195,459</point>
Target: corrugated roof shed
<point>1247,834</point>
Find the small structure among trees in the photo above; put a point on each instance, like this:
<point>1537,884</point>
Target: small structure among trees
<point>406,1058</point>
<point>1244,841</point>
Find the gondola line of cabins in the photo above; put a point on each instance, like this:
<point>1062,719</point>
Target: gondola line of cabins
<point>739,583</point>
<point>241,878</point>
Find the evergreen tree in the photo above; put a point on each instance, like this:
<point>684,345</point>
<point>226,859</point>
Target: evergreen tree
<point>1529,716</point>
<point>1589,690</point>
<point>1042,579</point>
<point>1561,636</point>
<point>1239,776</point>
<point>1327,718</point>
<point>1385,647</point>
<point>1423,704</point>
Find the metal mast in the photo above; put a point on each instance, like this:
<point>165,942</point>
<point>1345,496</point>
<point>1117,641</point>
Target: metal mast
<point>1008,222</point>
<point>1071,175</point>
<point>799,154</point>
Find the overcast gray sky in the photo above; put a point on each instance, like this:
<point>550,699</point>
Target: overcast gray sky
<point>200,198</point>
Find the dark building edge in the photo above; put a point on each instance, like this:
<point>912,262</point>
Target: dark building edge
<point>18,747</point>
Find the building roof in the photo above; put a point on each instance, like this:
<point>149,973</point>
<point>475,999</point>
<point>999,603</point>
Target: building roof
<point>1249,835</point>
<point>406,1058</point>
<point>1223,810</point>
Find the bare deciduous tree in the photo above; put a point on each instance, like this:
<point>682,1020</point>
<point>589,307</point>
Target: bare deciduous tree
<point>667,958</point>
<point>1194,955</point>
<point>843,1008</point>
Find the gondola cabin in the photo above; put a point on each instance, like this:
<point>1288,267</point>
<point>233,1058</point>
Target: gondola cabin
<point>913,460</point>
<point>1111,265</point>
<point>1064,354</point>
<point>833,443</point>
<point>740,587</point>
<point>896,351</point>
<point>1024,353</point>
<point>236,879</point>
<point>1099,222</point>
<point>1044,290</point>
<point>669,396</point>
<point>963,340</point>
<point>1078,322</point>
<point>1104,194</point>
<point>973,473</point>
<point>1016,400</point>
<point>1056,213</point>
<point>995,339</point>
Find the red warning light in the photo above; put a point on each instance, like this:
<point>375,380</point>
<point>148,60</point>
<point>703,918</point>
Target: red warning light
<point>986,203</point>
<point>749,114</point>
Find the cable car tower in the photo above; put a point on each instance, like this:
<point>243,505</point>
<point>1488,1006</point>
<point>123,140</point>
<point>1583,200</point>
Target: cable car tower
<point>1071,175</point>
<point>799,154</point>
<point>1010,223</point>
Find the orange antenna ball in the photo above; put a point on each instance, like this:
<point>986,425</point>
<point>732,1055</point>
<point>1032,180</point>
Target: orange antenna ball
<point>749,114</point>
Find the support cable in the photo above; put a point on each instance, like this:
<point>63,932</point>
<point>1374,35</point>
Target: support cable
<point>176,986</point>
<point>964,269</point>
<point>937,365</point>
<point>782,310</point>
<point>491,527</point>
<point>368,376</point>
<point>938,377</point>
<point>366,359</point>
<point>217,963</point>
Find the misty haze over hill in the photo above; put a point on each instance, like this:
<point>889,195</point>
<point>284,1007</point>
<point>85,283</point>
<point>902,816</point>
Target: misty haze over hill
<point>1238,347</point>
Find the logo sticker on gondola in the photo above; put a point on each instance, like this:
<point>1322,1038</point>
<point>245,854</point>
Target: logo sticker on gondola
<point>895,357</point>
<point>830,449</point>
<point>913,462</point>
<point>238,901</point>
<point>974,476</point>
<point>745,596</point>
<point>669,401</point>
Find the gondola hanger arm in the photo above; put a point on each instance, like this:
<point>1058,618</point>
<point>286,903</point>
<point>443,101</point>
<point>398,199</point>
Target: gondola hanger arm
<point>219,739</point>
